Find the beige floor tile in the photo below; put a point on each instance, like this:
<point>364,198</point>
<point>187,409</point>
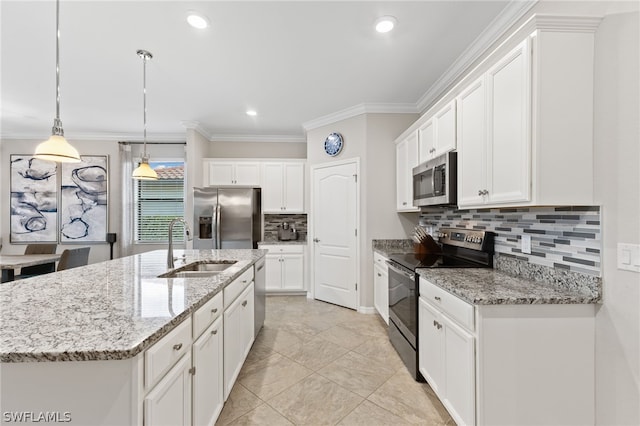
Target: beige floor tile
<point>277,339</point>
<point>413,401</point>
<point>344,337</point>
<point>367,325</point>
<point>357,373</point>
<point>272,375</point>
<point>381,350</point>
<point>240,402</point>
<point>314,353</point>
<point>369,414</point>
<point>315,401</point>
<point>262,415</point>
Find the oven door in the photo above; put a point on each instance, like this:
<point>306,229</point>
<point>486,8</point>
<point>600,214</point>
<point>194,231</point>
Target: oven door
<point>403,303</point>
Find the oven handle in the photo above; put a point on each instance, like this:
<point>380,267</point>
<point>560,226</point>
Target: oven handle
<point>401,271</point>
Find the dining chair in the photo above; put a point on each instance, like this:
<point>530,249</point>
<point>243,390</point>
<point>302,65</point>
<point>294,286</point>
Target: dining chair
<point>29,271</point>
<point>72,258</point>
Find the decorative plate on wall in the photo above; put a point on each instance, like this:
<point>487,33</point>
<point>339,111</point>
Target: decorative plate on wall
<point>333,144</point>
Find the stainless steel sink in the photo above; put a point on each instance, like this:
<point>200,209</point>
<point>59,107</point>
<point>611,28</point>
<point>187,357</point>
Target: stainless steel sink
<point>198,270</point>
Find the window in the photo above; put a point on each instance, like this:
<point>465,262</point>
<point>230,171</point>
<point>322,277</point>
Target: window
<point>158,202</point>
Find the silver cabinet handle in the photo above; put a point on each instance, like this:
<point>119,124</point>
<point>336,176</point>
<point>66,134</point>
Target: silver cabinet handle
<point>315,240</point>
<point>214,331</point>
<point>379,274</point>
<point>177,346</point>
<point>480,192</point>
<point>244,303</point>
<point>214,310</point>
<point>437,298</point>
<point>404,203</point>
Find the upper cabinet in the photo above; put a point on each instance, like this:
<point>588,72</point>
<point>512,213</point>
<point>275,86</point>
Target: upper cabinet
<point>283,187</point>
<point>438,135</point>
<point>406,159</point>
<point>494,133</point>
<point>224,172</point>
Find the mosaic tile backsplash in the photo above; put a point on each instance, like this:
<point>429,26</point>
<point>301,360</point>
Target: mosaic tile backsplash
<point>272,221</point>
<point>563,238</point>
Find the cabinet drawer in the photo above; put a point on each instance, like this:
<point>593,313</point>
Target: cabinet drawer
<point>451,305</point>
<point>232,291</point>
<point>159,358</point>
<point>380,260</point>
<point>287,248</point>
<point>207,314</point>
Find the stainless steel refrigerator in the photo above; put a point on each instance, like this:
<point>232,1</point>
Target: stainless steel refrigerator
<point>231,218</point>
<point>227,217</point>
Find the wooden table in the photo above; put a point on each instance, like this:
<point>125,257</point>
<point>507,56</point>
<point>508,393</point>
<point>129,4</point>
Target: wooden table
<point>10,262</point>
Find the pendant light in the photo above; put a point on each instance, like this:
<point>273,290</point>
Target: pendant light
<point>56,148</point>
<point>144,171</point>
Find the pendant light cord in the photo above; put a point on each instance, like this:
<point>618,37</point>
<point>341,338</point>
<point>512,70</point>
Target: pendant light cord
<point>57,123</point>
<point>145,56</point>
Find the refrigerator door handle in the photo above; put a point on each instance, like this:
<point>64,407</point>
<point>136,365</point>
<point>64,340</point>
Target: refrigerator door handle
<point>217,218</point>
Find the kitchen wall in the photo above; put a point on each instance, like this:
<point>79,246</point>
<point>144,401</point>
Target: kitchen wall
<point>367,137</point>
<point>566,238</point>
<point>256,150</point>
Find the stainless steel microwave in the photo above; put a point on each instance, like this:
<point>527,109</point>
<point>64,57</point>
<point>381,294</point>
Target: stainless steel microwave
<point>435,181</point>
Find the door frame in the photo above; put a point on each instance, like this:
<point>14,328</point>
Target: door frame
<point>311,230</point>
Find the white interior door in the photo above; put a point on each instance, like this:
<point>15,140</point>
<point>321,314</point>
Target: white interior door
<point>335,213</point>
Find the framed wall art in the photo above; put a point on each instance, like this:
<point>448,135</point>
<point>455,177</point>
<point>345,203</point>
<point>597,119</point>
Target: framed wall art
<point>34,200</point>
<point>84,200</point>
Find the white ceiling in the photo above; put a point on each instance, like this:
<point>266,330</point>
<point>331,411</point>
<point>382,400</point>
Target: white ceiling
<point>292,62</point>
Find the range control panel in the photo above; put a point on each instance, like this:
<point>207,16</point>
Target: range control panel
<point>468,238</point>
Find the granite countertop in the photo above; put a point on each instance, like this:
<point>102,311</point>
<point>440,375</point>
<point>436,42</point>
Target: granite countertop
<point>492,287</point>
<point>389,247</point>
<point>108,310</point>
<point>287,242</point>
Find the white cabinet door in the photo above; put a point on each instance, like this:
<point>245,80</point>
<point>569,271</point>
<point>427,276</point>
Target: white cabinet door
<point>221,173</point>
<point>208,392</point>
<point>430,351</point>
<point>169,403</point>
<point>509,128</point>
<point>426,141</point>
<point>472,144</point>
<point>381,291</point>
<point>273,273</point>
<point>445,125</point>
<point>247,173</point>
<point>293,271</point>
<point>273,188</point>
<point>238,336</point>
<point>459,372</point>
<point>406,159</point>
<point>294,187</point>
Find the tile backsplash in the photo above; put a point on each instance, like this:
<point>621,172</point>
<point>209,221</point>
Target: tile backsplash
<point>564,238</point>
<point>272,221</point>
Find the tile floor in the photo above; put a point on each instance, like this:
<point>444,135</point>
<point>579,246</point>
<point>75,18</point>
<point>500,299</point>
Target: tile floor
<point>315,363</point>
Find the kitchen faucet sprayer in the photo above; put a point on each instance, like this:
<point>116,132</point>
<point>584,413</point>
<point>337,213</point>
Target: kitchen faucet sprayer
<point>187,232</point>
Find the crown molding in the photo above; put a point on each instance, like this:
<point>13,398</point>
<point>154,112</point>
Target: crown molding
<point>195,125</point>
<point>159,137</point>
<point>498,27</point>
<point>258,138</point>
<point>365,108</point>
<point>586,24</point>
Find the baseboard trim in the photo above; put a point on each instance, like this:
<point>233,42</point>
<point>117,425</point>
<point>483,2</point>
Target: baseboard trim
<point>367,310</point>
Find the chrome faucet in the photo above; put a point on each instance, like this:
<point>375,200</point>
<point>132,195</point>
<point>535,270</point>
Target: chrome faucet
<point>187,232</point>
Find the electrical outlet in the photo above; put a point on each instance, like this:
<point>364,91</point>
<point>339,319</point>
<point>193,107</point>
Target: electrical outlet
<point>525,244</point>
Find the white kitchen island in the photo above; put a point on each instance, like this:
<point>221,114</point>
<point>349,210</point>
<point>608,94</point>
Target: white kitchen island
<point>113,344</point>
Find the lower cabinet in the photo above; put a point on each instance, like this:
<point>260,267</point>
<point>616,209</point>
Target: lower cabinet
<point>447,361</point>
<point>238,336</point>
<point>381,286</point>
<point>169,403</point>
<point>208,385</point>
<point>285,267</point>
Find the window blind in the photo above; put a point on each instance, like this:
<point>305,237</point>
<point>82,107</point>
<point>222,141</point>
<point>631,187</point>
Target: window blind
<point>157,203</point>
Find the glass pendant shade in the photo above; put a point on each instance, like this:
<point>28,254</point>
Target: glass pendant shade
<point>56,148</point>
<point>144,171</point>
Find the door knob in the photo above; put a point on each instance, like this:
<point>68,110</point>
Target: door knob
<point>315,240</point>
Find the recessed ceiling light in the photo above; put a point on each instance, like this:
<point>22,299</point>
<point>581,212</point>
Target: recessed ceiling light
<point>197,20</point>
<point>252,113</point>
<point>385,24</point>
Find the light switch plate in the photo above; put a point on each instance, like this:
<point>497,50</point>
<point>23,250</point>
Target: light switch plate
<point>525,244</point>
<point>629,257</point>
